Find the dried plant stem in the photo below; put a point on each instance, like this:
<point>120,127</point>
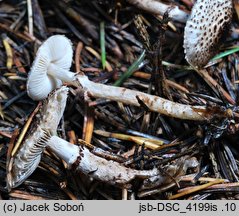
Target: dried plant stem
<point>216,186</point>
<point>195,189</point>
<point>30,17</point>
<point>236,6</point>
<point>8,52</point>
<point>5,134</point>
<point>131,97</point>
<point>124,194</point>
<point>214,85</point>
<point>156,7</point>
<point>77,55</point>
<point>16,33</point>
<point>25,129</point>
<point>97,55</point>
<point>170,83</point>
<point>81,159</point>
<point>149,143</point>
<point>88,126</point>
<point>23,195</point>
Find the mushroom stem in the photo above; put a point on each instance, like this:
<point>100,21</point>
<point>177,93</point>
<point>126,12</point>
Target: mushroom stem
<point>81,159</point>
<point>65,150</point>
<point>159,8</point>
<point>154,103</point>
<point>60,73</point>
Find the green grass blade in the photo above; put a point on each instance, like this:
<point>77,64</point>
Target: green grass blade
<point>226,53</point>
<point>130,70</point>
<point>102,44</point>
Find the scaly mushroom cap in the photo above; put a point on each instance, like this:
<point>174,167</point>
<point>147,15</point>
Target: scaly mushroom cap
<point>204,30</point>
<point>55,50</point>
<point>28,156</point>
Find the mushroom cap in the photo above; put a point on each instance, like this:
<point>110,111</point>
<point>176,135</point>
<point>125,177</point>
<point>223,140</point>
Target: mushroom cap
<point>204,30</point>
<point>55,50</point>
<point>28,156</point>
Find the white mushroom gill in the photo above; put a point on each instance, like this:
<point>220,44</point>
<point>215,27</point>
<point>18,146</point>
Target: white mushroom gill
<point>27,158</point>
<point>50,67</point>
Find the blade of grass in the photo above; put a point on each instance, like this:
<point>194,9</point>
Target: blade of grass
<point>102,44</point>
<point>176,66</point>
<point>226,53</point>
<point>131,70</point>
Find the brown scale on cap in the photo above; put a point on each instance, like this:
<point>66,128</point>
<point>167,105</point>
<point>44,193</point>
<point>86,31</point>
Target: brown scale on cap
<point>204,29</point>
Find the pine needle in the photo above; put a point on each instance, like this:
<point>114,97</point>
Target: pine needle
<point>226,53</point>
<point>135,66</point>
<point>102,44</point>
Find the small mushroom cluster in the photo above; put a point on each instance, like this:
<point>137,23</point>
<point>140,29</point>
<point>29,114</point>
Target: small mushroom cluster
<point>49,70</point>
<point>44,134</point>
<point>204,29</point>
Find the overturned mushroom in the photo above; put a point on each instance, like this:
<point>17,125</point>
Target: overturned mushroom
<point>204,30</point>
<point>28,156</point>
<point>51,67</point>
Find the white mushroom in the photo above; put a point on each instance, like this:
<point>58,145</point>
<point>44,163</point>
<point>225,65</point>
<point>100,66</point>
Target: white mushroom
<point>51,67</point>
<point>81,159</point>
<point>43,134</point>
<point>37,89</point>
<point>28,156</point>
